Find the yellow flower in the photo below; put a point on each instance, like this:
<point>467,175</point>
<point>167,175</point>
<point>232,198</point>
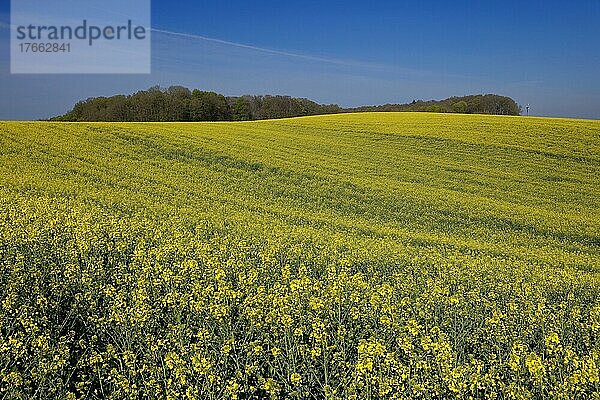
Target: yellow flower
<point>296,378</point>
<point>552,340</point>
<point>271,386</point>
<point>276,351</point>
<point>233,388</point>
<point>226,348</point>
<point>219,274</point>
<point>534,365</point>
<point>413,327</point>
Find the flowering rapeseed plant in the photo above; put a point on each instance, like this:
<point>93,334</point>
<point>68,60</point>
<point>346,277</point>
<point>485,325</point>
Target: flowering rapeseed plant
<point>358,256</point>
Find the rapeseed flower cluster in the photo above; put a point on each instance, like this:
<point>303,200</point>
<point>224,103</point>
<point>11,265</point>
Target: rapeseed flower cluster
<point>201,262</point>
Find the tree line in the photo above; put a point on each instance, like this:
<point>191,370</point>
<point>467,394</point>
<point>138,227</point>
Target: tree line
<point>473,104</point>
<point>178,103</point>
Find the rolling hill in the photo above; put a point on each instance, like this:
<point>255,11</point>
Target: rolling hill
<point>373,255</point>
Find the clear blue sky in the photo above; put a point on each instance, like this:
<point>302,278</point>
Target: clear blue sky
<point>546,53</point>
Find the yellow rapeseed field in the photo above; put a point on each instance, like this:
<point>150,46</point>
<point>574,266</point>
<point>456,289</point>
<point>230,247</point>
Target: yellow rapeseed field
<point>357,256</point>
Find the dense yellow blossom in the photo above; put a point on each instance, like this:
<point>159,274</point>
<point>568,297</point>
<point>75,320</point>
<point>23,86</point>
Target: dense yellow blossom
<point>359,256</point>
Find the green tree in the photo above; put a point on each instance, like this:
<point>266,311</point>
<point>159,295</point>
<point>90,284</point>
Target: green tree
<point>208,106</point>
<point>241,110</point>
<point>460,107</point>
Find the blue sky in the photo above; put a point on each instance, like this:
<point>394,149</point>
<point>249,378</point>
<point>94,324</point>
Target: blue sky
<point>545,53</point>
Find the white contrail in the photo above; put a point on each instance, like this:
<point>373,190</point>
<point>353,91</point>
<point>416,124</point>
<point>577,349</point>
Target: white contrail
<point>262,49</point>
<point>243,46</point>
<point>307,57</point>
<point>4,25</point>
